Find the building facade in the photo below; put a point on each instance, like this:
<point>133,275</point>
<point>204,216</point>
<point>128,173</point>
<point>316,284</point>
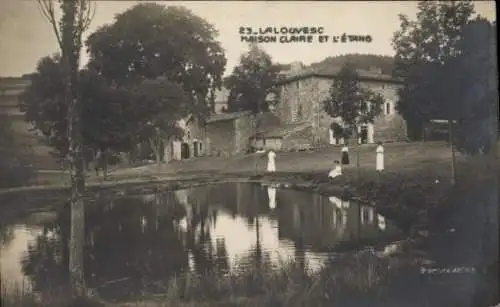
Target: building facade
<point>301,101</point>
<point>192,143</point>
<point>229,133</point>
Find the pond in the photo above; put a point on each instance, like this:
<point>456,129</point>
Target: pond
<point>136,242</point>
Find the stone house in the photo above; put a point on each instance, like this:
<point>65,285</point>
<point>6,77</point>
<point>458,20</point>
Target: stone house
<point>301,97</point>
<point>228,133</point>
<point>191,144</point>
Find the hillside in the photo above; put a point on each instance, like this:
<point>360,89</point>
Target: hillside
<point>359,61</point>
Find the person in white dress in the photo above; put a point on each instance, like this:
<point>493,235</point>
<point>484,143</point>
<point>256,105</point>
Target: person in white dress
<point>271,163</point>
<point>380,157</point>
<point>336,171</point>
<point>381,222</point>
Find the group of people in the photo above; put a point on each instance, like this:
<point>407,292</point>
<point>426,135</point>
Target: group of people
<point>337,170</point>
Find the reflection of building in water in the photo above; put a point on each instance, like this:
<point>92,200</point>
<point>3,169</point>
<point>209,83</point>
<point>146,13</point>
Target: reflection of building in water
<point>322,224</point>
<point>309,222</point>
<point>11,252</point>
<point>367,214</point>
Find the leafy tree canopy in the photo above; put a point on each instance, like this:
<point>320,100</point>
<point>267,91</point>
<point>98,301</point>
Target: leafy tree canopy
<point>113,118</point>
<point>252,81</point>
<point>350,103</point>
<point>152,40</point>
<point>426,54</point>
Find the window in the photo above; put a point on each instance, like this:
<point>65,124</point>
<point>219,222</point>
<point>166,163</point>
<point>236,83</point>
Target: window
<point>388,108</point>
<point>299,112</point>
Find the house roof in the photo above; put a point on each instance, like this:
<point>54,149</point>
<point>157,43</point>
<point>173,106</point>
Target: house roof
<point>332,72</point>
<point>222,96</point>
<point>226,117</point>
<point>14,82</point>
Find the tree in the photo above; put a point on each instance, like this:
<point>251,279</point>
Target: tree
<point>158,105</point>
<point>76,17</point>
<point>352,105</point>
<point>422,48</point>
<point>477,130</point>
<point>431,56</point>
<point>252,81</point>
<point>113,119</point>
<point>150,40</point>
<point>104,124</point>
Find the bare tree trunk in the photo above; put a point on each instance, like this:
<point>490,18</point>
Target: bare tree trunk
<point>452,147</point>
<point>105,164</point>
<point>356,135</point>
<point>256,161</point>
<point>70,59</point>
<point>77,178</point>
<point>76,17</point>
<point>157,147</point>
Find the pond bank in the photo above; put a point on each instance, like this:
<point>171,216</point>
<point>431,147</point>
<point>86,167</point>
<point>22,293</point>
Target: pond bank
<point>407,197</point>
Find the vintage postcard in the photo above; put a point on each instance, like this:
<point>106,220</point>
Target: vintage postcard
<point>248,153</point>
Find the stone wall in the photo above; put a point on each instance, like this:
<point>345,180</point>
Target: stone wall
<point>244,129</point>
<point>275,144</point>
<point>302,101</point>
<point>198,135</point>
<point>220,138</point>
<point>299,139</point>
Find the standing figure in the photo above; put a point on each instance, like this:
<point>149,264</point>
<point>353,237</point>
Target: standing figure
<point>381,222</point>
<point>336,171</point>
<point>345,155</point>
<point>271,165</point>
<point>380,157</point>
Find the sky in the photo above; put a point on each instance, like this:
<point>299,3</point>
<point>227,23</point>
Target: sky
<point>26,36</point>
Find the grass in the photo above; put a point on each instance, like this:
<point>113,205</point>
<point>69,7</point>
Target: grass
<point>290,283</point>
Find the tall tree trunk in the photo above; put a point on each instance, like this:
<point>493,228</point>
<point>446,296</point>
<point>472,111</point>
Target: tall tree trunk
<point>452,147</point>
<point>105,164</point>
<point>76,201</point>
<point>70,58</point>
<point>357,141</point>
<point>255,140</point>
<point>158,148</point>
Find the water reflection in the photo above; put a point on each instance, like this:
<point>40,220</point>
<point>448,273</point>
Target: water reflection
<point>15,241</point>
<point>136,243</point>
<point>271,193</point>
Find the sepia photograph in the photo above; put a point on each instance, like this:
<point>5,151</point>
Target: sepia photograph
<point>249,153</point>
